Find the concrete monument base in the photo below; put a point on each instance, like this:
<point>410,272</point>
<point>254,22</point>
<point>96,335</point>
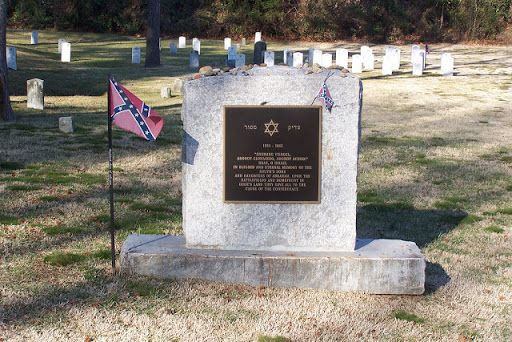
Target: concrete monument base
<point>375,266</point>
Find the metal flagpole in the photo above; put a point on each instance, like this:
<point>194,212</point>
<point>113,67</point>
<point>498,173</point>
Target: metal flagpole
<point>111,181</point>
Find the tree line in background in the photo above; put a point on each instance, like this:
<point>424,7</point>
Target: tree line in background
<point>322,20</point>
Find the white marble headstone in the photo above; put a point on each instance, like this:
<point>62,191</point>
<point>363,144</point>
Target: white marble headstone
<point>326,60</point>
<point>257,37</point>
<point>196,45</point>
<point>194,59</point>
<point>387,64</point>
<point>227,43</point>
<point>447,64</point>
<point>317,57</point>
<point>61,41</point>
<point>135,55</point>
<point>66,52</point>
<point>34,37</point>
<point>11,58</point>
<point>357,64</point>
<point>269,59</point>
<point>182,42</point>
<point>298,59</point>
<point>285,55</point>
<point>35,93</point>
<point>173,49</point>
<point>240,60</point>
<point>342,58</point>
<point>231,53</point>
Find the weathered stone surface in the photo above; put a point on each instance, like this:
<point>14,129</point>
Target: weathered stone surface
<point>135,55</point>
<point>35,93</point>
<point>67,124</point>
<point>173,49</point>
<point>208,221</point>
<point>11,58</point>
<point>375,266</point>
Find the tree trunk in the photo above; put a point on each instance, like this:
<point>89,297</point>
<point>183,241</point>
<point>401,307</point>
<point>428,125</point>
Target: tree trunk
<point>153,34</point>
<point>6,112</point>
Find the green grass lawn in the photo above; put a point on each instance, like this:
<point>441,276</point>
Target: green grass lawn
<point>434,168</point>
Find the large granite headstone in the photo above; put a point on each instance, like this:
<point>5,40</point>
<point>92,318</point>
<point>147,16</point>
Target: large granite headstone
<point>269,189</point>
<point>259,49</point>
<point>35,93</point>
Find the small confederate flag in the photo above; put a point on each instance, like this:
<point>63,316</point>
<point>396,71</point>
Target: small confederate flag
<point>325,97</point>
<point>128,112</point>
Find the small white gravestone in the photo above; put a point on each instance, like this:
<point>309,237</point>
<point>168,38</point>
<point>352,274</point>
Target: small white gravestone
<point>182,42</point>
<point>369,62</point>
<point>269,59</point>
<point>365,49</point>
<point>285,55</point>
<point>357,64</point>
<point>231,53</point>
<point>326,60</point>
<point>34,38</point>
<point>240,60</point>
<point>65,55</point>
<point>61,41</point>
<point>196,45</point>
<point>257,37</point>
<point>35,93</point>
<point>135,55</point>
<point>417,65</point>
<point>387,64</point>
<point>396,60</point>
<point>11,58</point>
<point>289,57</point>
<point>447,64</point>
<point>317,57</point>
<point>311,51</point>
<point>173,49</point>
<point>238,47</point>
<point>227,43</point>
<point>165,92</point>
<point>389,50</point>
<point>67,124</point>
<point>194,59</point>
<point>244,42</point>
<point>342,58</point>
<point>298,59</point>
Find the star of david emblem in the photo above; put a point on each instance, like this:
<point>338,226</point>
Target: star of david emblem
<point>274,129</point>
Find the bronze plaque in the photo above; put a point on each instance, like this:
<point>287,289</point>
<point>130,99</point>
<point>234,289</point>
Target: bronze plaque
<point>272,154</point>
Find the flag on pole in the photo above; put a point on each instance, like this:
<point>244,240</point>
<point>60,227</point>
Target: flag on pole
<point>128,112</point>
<point>325,97</point>
<point>427,48</point>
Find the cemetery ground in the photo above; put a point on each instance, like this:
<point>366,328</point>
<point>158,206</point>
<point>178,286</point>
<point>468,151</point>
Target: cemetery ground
<point>435,168</point>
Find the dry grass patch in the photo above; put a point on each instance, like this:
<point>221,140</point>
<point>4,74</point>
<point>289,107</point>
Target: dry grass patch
<point>434,169</point>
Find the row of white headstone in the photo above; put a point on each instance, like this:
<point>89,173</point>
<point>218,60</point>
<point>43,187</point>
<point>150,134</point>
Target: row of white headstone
<point>363,61</point>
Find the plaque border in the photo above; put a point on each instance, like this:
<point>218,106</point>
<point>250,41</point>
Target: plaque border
<point>318,201</point>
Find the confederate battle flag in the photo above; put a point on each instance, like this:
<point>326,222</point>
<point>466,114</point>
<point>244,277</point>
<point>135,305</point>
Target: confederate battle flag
<point>128,112</point>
